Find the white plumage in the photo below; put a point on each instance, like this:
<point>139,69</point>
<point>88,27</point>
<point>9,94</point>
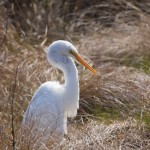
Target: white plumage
<point>53,103</point>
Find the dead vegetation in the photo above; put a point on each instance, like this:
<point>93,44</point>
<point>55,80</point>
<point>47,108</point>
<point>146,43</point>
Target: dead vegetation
<point>114,35</point>
<point>118,135</point>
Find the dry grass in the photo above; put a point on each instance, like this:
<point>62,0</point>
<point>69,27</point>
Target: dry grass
<point>118,88</point>
<point>114,36</point>
<point>119,135</point>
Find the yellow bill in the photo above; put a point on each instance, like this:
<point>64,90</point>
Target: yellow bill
<point>82,61</point>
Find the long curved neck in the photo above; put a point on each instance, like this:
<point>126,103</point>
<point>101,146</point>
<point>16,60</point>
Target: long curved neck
<point>71,77</point>
<point>71,87</point>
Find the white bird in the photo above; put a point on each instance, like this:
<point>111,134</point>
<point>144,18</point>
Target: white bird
<point>53,103</point>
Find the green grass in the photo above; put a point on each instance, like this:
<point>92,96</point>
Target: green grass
<point>143,63</point>
<point>106,114</point>
<point>144,117</point>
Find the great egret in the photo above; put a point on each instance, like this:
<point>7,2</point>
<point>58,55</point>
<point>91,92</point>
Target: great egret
<point>53,103</point>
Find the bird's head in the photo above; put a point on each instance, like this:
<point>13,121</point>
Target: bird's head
<point>59,52</point>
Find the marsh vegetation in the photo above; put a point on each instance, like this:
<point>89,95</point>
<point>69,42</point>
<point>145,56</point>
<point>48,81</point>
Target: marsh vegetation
<point>113,36</point>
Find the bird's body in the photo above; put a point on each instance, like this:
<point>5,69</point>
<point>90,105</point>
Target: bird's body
<point>53,102</point>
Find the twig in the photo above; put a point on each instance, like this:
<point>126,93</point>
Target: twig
<point>12,108</point>
<point>5,33</point>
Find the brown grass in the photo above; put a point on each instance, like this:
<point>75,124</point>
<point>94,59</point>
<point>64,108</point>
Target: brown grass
<point>113,36</point>
<point>119,135</point>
